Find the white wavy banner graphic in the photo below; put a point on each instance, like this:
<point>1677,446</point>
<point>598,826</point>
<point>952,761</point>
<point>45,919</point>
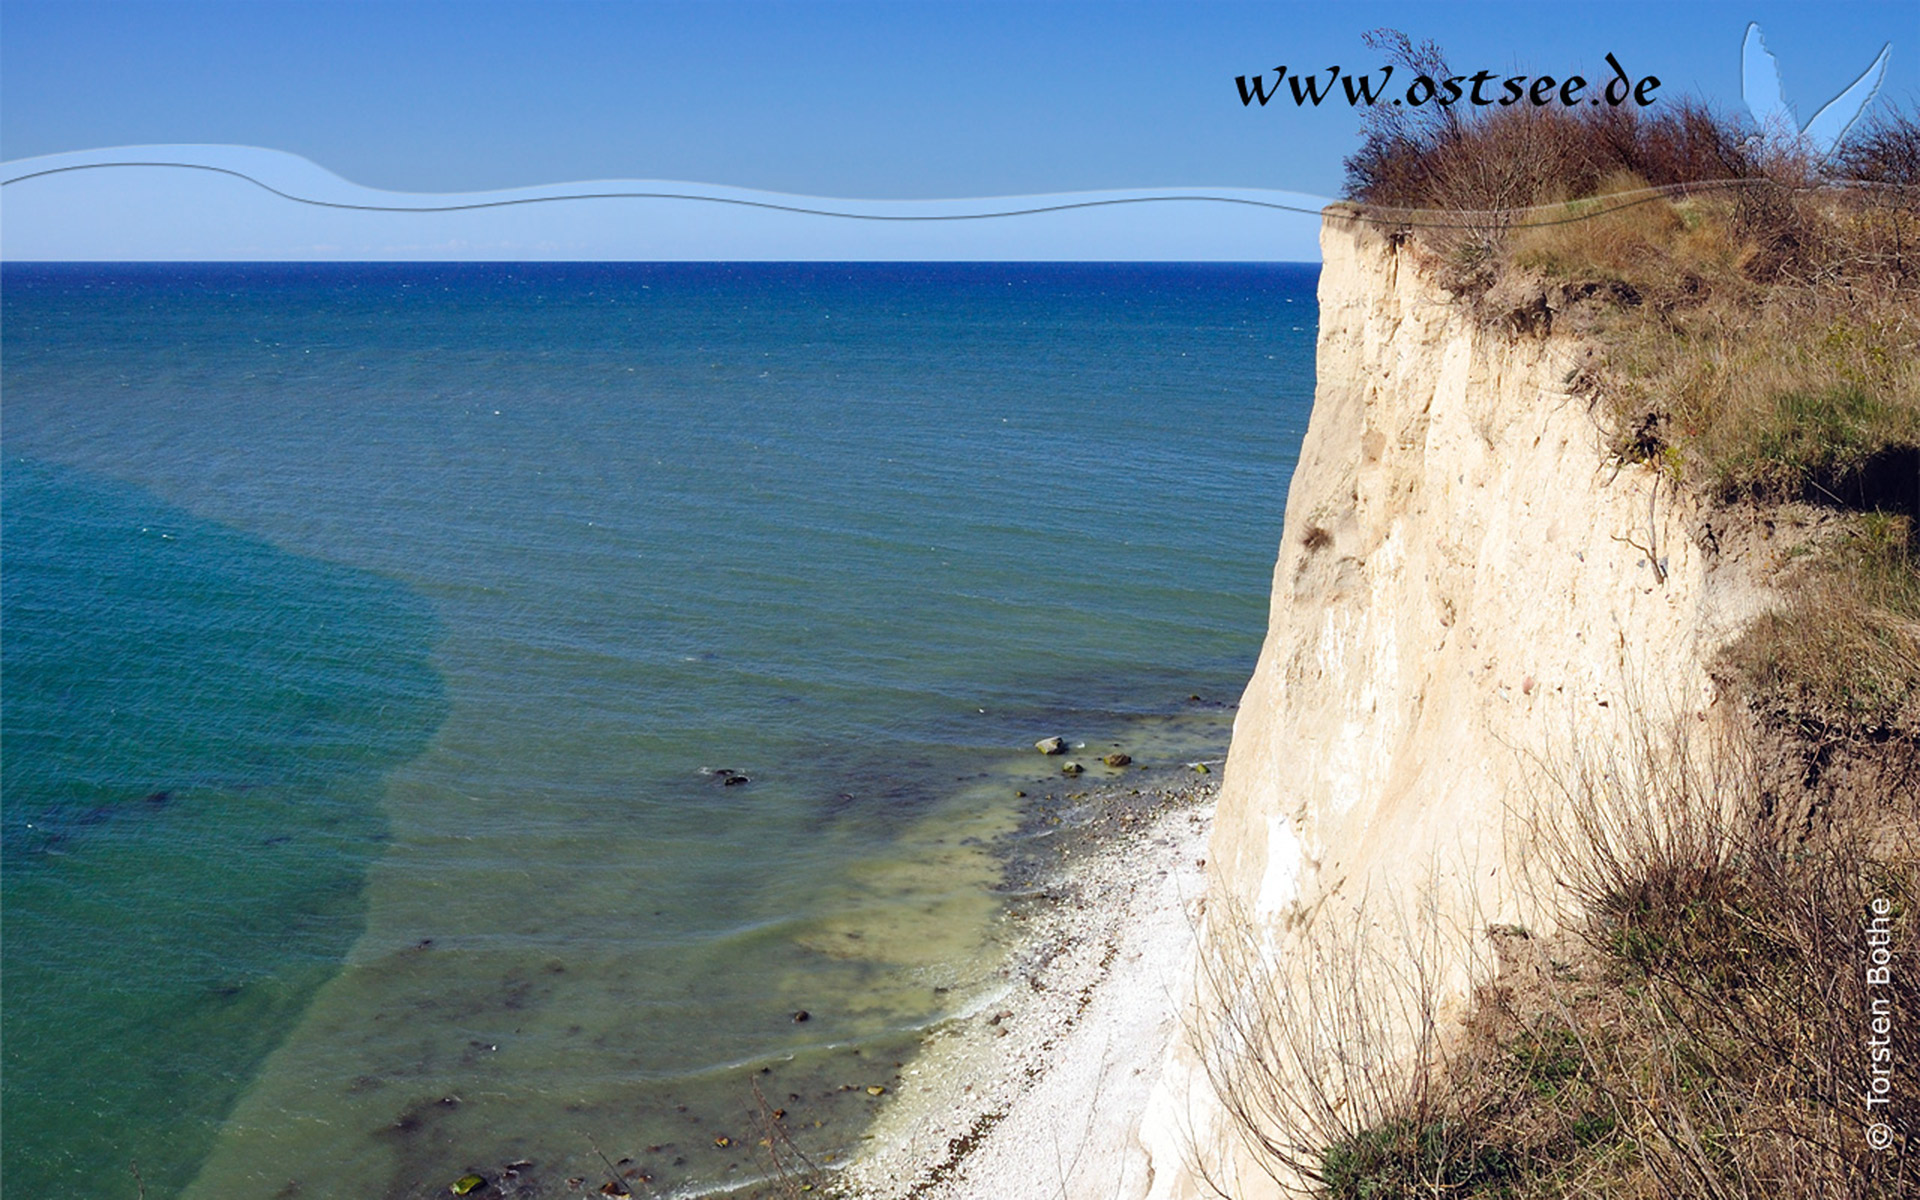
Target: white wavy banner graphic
<point>239,203</point>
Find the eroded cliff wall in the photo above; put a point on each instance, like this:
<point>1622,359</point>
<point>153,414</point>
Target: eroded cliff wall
<point>1468,585</point>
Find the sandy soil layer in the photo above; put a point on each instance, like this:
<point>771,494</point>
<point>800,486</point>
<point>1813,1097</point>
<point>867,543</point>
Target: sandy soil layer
<point>1038,1096</point>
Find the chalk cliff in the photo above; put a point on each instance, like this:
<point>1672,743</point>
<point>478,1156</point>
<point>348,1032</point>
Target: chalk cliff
<point>1468,583</point>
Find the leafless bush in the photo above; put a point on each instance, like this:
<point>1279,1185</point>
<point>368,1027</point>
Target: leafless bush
<point>1632,817</point>
<point>1886,150</point>
<point>1398,144</point>
<point>1330,1061</point>
<point>1466,178</point>
<point>1736,1040</point>
<point>1702,1025</point>
<point>1885,158</point>
<point>1513,158</point>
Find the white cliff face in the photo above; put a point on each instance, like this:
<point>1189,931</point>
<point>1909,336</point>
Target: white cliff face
<point>1466,582</point>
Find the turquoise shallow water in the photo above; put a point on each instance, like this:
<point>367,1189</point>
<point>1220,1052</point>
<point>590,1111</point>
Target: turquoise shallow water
<point>431,598</point>
<point>196,727</point>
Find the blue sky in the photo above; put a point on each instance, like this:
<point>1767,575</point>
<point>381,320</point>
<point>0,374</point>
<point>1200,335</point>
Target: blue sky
<point>870,100</point>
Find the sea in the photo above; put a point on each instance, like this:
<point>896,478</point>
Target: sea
<point>538,720</point>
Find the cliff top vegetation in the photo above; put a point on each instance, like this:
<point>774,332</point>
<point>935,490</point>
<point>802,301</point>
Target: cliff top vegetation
<point>1704,1023</point>
<point>1756,309</point>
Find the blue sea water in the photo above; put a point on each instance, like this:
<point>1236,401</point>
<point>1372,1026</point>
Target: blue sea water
<point>374,635</point>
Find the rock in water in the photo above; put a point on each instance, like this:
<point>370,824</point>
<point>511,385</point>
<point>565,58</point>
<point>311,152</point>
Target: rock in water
<point>1117,760</point>
<point>1051,745</point>
<point>1072,768</point>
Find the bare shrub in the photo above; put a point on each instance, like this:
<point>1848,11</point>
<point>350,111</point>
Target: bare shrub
<point>1397,142</point>
<point>1630,819</point>
<point>1885,156</point>
<point>1738,947</point>
<point>1510,158</point>
<point>1330,1063</point>
<point>1702,1025</point>
<point>1886,150</point>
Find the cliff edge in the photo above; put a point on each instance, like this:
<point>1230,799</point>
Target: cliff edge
<point>1469,586</point>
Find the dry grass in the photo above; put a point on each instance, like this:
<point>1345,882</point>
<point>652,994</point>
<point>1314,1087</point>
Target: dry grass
<point>1761,322</point>
<point>1770,369</point>
<point>1732,1033</point>
<point>1770,394</point>
<point>1310,1058</point>
<point>1843,654</point>
<point>1764,345</point>
<point>1759,331</point>
<point>1702,1027</point>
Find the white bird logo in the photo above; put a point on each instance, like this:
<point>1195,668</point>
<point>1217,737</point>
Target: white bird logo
<point>1780,127</point>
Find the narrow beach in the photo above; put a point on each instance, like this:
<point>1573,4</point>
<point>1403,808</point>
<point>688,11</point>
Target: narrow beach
<point>1039,1093</point>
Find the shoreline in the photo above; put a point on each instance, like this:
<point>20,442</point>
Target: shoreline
<point>1039,1092</point>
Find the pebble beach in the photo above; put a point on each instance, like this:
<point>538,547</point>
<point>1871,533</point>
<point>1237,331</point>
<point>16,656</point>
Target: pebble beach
<point>1039,1093</point>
